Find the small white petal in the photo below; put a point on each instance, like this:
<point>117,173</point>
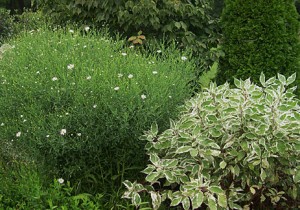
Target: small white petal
<point>124,54</point>
<point>18,134</point>
<point>143,96</point>
<point>117,88</point>
<point>130,76</point>
<point>60,180</point>
<point>63,131</point>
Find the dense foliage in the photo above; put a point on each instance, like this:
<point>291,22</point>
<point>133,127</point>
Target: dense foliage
<point>79,103</point>
<point>6,25</point>
<point>259,36</point>
<point>233,148</point>
<point>191,23</point>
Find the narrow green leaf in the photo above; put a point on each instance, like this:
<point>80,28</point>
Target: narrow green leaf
<point>263,175</point>
<point>152,176</point>
<point>281,78</point>
<point>262,79</point>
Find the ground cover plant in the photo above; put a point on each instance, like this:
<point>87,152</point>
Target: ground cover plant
<point>235,148</point>
<point>75,102</point>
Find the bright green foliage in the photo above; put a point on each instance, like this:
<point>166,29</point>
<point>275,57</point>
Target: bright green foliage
<point>231,148</point>
<point>259,36</point>
<point>188,22</point>
<point>83,101</point>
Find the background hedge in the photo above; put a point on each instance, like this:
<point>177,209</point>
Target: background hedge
<point>259,36</point>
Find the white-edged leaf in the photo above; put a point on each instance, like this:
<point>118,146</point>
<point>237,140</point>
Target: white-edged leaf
<point>262,79</point>
<point>152,176</point>
<point>183,149</point>
<point>186,203</point>
<point>222,200</point>
<point>128,184</point>
<point>215,189</point>
<point>281,78</point>
<point>176,201</point>
<point>212,204</point>
<point>136,199</point>
<point>291,79</point>
<point>223,164</point>
<point>197,200</point>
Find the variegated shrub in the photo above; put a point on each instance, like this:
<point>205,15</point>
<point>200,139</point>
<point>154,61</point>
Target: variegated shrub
<point>232,148</point>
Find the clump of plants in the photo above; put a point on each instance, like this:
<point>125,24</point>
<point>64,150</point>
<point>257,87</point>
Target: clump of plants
<point>79,103</point>
<point>234,148</point>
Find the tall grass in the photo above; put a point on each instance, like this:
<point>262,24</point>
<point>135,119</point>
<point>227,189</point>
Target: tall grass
<point>76,102</point>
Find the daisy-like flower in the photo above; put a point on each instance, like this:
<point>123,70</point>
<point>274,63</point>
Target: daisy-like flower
<point>154,72</point>
<point>18,134</point>
<point>130,76</point>
<point>71,66</point>
<point>183,58</point>
<point>117,88</point>
<point>54,78</point>
<point>124,54</point>
<point>71,31</point>
<point>78,134</point>
<point>120,75</point>
<point>143,96</point>
<point>63,131</point>
<point>61,180</point>
<point>88,77</point>
<point>158,51</point>
<point>86,28</point>
<point>94,106</point>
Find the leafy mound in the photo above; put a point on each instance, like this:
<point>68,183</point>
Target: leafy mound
<point>231,148</point>
<point>79,103</point>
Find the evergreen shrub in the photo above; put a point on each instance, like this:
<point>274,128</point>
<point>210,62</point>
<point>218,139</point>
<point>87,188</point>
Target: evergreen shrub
<point>6,25</point>
<point>259,36</point>
<point>232,148</point>
<point>79,103</point>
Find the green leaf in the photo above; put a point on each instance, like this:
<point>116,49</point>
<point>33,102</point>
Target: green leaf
<point>262,79</point>
<point>170,176</point>
<point>152,176</point>
<point>176,201</point>
<point>149,169</point>
<point>197,200</point>
<point>222,200</point>
<point>186,203</point>
<point>281,78</point>
<point>250,136</point>
<point>296,177</point>
<point>237,83</point>
<point>223,164</point>
<point>291,79</point>
<point>177,24</point>
<point>154,158</point>
<point>128,184</point>
<point>136,199</point>
<point>183,149</point>
<point>263,175</point>
<point>194,152</point>
<point>215,189</point>
<point>212,204</point>
<point>215,132</point>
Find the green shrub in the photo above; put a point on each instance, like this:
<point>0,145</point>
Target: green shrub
<point>83,101</point>
<point>6,25</point>
<point>232,148</point>
<point>191,23</point>
<point>259,36</point>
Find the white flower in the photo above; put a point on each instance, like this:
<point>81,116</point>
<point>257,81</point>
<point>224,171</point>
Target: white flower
<point>88,77</point>
<point>143,96</point>
<point>158,51</point>
<point>78,134</point>
<point>70,66</point>
<point>95,106</point>
<point>63,131</point>
<point>71,31</point>
<point>2,124</point>
<point>86,28</point>
<point>54,79</point>
<point>170,96</point>
<point>183,58</point>
<point>18,134</point>
<point>84,46</point>
<point>131,46</point>
<point>130,76</point>
<point>60,180</point>
<point>37,72</point>
<point>155,72</point>
<point>117,88</point>
<point>47,136</point>
<point>120,75</point>
<point>124,54</point>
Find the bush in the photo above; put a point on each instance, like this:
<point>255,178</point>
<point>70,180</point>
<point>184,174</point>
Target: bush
<point>80,103</point>
<point>191,23</point>
<point>259,36</point>
<point>6,25</point>
<point>232,148</point>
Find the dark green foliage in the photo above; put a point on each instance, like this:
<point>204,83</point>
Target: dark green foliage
<point>191,23</point>
<point>6,25</point>
<point>259,36</point>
